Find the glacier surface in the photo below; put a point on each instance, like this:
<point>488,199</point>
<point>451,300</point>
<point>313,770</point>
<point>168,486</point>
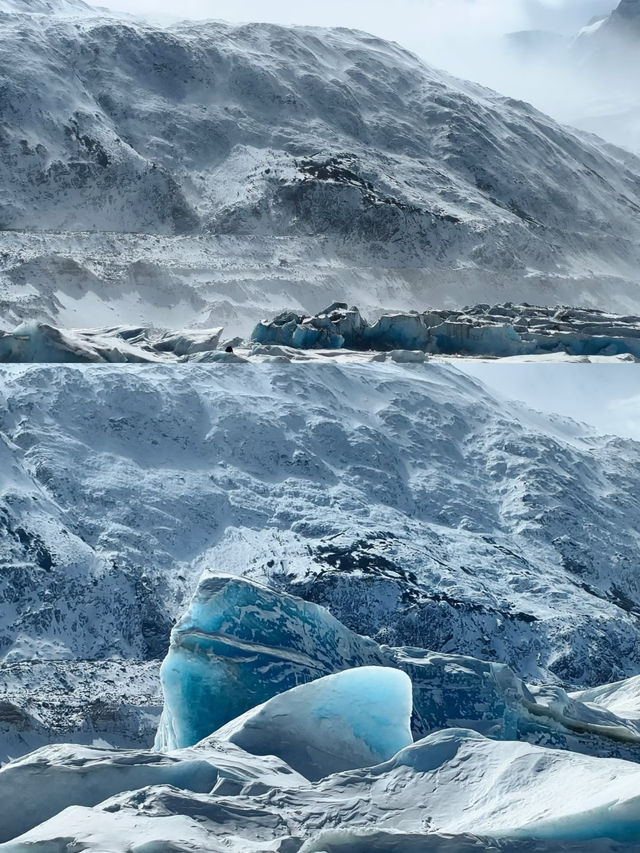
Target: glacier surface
<point>452,790</point>
<point>341,333</point>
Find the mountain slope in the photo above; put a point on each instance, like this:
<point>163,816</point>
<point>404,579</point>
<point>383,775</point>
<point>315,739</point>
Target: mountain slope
<point>263,131</point>
<point>416,506</point>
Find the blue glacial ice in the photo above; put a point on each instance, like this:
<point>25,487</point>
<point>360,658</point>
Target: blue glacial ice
<point>331,757</point>
<point>356,718</point>
<point>480,330</point>
<point>238,645</point>
<point>241,643</point>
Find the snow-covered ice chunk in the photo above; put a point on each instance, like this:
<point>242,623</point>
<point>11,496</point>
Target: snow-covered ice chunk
<point>356,718</point>
<point>41,784</point>
<point>622,698</point>
<point>44,783</point>
<point>189,341</point>
<point>238,645</point>
<point>334,327</point>
<point>586,716</point>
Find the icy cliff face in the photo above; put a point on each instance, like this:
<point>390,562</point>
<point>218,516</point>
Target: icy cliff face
<point>415,506</point>
<point>370,169</point>
<point>240,643</point>
<point>231,635</point>
<point>493,331</point>
<point>482,330</point>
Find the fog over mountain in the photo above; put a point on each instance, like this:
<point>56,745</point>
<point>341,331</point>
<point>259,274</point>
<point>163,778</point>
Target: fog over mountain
<point>519,47</point>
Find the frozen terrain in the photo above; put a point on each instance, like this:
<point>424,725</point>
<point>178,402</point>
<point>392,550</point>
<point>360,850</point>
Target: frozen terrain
<point>330,764</point>
<point>208,174</point>
<point>339,331</point>
<point>396,612</point>
<point>418,507</point>
<point>452,791</point>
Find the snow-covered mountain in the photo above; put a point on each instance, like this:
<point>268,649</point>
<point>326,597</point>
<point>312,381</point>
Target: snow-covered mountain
<point>623,23</point>
<point>420,509</point>
<point>240,170</point>
<point>45,7</point>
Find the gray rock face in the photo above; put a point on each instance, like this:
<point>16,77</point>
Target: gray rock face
<point>628,11</point>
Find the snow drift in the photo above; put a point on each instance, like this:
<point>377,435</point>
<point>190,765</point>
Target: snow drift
<point>478,793</point>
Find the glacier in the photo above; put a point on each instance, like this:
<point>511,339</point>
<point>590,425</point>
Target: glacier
<point>241,643</point>
<point>497,331</point>
<point>292,767</point>
<point>266,549</point>
<point>333,759</point>
<point>340,332</point>
<point>232,634</point>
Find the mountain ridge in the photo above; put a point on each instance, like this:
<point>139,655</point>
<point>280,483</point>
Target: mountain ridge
<point>264,132</point>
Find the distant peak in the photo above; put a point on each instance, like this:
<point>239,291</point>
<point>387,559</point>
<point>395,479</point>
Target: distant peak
<point>629,9</point>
